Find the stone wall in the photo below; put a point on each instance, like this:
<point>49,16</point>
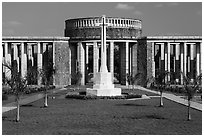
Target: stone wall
<point>143,52</point>
<point>134,59</point>
<point>149,60</point>
<point>62,63</point>
<point>94,33</point>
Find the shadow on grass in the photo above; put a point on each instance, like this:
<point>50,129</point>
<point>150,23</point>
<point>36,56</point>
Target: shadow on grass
<point>27,105</point>
<point>131,104</point>
<point>5,118</point>
<point>148,117</point>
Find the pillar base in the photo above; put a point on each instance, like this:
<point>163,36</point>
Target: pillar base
<point>103,86</point>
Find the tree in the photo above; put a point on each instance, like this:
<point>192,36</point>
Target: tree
<point>47,73</point>
<point>77,78</point>
<point>132,80</point>
<point>129,80</point>
<point>191,87</point>
<point>17,84</point>
<point>161,83</point>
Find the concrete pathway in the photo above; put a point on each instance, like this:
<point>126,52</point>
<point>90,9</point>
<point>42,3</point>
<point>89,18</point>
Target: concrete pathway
<point>29,99</point>
<point>174,98</point>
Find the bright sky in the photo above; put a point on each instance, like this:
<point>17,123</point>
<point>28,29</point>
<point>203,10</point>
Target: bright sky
<point>48,19</point>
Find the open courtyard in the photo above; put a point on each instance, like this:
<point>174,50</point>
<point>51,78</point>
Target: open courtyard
<point>103,117</point>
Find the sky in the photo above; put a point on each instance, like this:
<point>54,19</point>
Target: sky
<point>48,18</point>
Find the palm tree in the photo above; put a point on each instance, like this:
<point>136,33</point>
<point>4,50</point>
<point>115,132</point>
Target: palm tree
<point>132,80</point>
<point>78,79</point>
<point>161,83</point>
<point>191,87</point>
<point>46,73</point>
<point>129,80</point>
<point>17,84</point>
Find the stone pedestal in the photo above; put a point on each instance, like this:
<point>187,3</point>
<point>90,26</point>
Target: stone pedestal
<point>103,86</point>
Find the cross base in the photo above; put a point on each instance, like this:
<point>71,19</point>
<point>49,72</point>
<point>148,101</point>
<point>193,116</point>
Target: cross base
<point>103,85</point>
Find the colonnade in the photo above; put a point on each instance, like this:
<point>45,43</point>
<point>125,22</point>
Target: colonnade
<point>126,52</point>
<point>182,58</point>
<point>24,55</point>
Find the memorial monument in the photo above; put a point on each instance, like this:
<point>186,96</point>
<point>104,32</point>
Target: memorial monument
<point>103,84</point>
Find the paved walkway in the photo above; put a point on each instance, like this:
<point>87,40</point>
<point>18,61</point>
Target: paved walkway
<point>174,98</point>
<point>28,100</point>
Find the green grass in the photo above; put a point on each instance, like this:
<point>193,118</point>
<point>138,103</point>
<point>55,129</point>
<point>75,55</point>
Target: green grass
<point>104,117</point>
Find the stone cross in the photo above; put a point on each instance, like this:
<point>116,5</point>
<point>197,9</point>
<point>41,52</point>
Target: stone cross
<point>103,26</point>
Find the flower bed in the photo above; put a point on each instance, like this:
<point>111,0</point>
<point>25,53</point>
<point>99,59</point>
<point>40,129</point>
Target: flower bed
<point>30,89</point>
<point>82,95</point>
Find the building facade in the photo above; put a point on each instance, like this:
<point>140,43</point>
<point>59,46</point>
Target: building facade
<point>128,52</point>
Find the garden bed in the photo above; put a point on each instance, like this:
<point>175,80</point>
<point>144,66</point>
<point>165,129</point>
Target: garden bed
<point>82,95</point>
<point>8,96</point>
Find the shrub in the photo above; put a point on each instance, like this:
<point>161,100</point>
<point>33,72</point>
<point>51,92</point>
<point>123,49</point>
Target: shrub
<point>87,97</point>
<point>4,97</point>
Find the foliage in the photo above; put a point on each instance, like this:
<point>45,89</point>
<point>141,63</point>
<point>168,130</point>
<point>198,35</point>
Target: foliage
<point>192,87</point>
<point>47,73</point>
<point>77,78</point>
<point>159,80</point>
<point>16,82</point>
<point>4,97</point>
<point>87,97</point>
<point>32,75</point>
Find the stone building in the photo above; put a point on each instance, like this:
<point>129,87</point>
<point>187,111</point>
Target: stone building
<point>127,51</point>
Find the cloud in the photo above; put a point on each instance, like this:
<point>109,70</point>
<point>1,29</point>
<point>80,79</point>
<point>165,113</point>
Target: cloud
<point>8,32</point>
<point>168,4</point>
<point>11,24</point>
<point>14,23</point>
<point>199,12</point>
<point>137,12</point>
<point>159,5</point>
<point>124,6</point>
<point>172,4</point>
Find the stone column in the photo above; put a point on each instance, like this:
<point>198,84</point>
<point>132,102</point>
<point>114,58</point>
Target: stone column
<point>23,60</point>
<point>130,58</point>
<point>7,49</point>
<point>81,61</point>
<point>87,62</point>
<point>70,63</point>
<point>15,55</point>
<point>177,63</point>
<point>192,67</point>
<point>153,60</point>
<point>166,59</point>
<point>182,61</point>
<point>198,59</point>
<point>126,59</point>
<point>30,57</point>
<point>124,49</point>
<point>39,61</point>
<point>112,58</point>
<point>162,57</point>
<point>53,60</point>
<point>185,60</point>
<point>95,58</point>
<point>169,60</point>
<point>134,59</point>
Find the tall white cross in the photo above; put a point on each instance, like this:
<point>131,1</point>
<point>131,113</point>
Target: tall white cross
<point>103,26</point>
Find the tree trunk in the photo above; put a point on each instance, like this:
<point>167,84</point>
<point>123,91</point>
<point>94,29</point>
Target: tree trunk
<point>45,100</point>
<point>161,99</point>
<point>132,87</point>
<point>18,110</point>
<point>189,114</point>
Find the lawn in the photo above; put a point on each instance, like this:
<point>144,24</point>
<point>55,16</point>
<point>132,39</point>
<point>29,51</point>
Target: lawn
<point>103,117</point>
